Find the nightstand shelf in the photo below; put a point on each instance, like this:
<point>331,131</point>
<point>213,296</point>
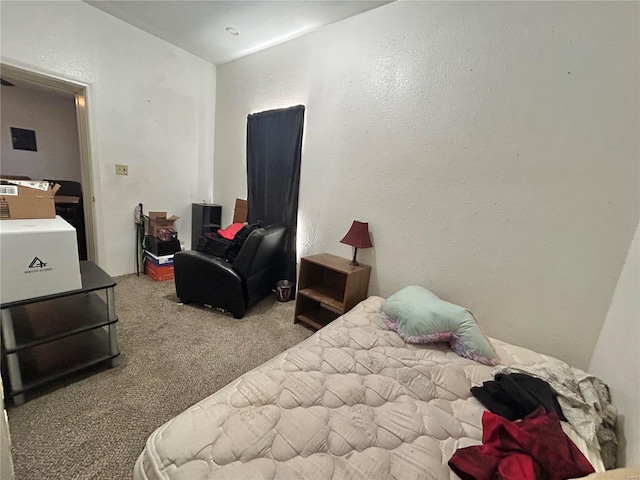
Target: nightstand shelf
<point>327,288</point>
<point>324,295</point>
<point>317,317</point>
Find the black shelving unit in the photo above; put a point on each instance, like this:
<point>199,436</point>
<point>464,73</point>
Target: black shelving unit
<point>205,217</point>
<point>47,338</point>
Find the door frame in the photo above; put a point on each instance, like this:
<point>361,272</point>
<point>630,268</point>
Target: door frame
<point>82,98</point>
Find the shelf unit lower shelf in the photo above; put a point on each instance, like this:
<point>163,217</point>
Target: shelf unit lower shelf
<point>52,361</point>
<point>317,317</point>
<point>39,323</point>
<point>59,337</point>
<point>47,338</point>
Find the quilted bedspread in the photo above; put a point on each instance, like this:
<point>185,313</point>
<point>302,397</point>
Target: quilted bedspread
<point>353,401</point>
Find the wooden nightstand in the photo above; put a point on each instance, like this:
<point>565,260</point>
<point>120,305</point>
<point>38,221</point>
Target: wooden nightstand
<point>328,287</point>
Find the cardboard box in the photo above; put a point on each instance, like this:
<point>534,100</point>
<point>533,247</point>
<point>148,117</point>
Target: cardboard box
<point>160,260</point>
<point>158,220</point>
<point>38,257</point>
<point>159,274</point>
<point>240,212</point>
<point>20,199</point>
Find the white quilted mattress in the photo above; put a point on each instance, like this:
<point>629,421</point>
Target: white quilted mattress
<point>353,401</point>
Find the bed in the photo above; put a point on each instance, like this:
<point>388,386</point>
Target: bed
<point>353,401</point>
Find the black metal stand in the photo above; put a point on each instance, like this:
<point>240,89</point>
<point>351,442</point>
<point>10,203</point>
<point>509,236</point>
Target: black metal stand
<point>139,218</point>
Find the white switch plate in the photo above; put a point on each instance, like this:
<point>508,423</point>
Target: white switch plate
<point>122,169</point>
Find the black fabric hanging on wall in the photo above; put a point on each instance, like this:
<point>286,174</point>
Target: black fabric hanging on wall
<point>274,152</point>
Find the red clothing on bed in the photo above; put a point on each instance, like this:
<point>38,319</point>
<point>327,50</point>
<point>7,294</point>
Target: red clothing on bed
<point>532,448</point>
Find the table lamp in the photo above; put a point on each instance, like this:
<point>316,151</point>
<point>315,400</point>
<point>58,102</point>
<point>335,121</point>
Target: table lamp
<point>357,237</point>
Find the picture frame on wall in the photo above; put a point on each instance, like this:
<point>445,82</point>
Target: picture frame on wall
<point>24,139</point>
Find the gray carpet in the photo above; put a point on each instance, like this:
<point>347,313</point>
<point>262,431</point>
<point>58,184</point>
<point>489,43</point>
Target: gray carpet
<point>172,356</point>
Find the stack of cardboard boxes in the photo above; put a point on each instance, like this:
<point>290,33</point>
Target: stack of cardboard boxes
<point>161,242</point>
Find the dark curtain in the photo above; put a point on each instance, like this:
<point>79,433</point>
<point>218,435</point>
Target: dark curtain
<point>274,147</point>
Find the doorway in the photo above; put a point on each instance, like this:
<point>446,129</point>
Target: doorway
<point>73,166</point>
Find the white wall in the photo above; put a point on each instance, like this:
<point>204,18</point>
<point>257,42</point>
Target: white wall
<point>52,115</point>
<point>151,106</point>
<point>491,146</point>
<point>616,358</point>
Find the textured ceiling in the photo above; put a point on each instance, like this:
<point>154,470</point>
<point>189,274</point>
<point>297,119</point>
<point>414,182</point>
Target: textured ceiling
<point>199,27</point>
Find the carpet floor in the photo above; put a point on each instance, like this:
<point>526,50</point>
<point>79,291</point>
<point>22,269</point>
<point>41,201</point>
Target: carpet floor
<point>172,356</point>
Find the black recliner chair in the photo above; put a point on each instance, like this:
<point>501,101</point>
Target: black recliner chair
<point>234,287</point>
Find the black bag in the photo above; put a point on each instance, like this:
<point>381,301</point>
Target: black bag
<point>216,246</point>
<point>226,249</point>
<point>239,239</point>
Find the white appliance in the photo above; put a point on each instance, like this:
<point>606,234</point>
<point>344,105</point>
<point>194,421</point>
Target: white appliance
<point>38,257</point>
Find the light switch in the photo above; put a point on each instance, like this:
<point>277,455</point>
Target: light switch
<point>122,169</point>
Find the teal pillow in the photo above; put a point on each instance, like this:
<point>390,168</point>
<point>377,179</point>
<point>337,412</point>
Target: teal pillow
<point>419,316</point>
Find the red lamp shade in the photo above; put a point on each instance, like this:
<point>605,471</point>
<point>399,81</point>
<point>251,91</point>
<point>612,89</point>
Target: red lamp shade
<point>358,237</point>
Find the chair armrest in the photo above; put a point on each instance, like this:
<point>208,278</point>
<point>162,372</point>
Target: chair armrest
<point>208,263</point>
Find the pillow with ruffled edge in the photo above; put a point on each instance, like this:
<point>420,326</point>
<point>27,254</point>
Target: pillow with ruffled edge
<point>419,316</point>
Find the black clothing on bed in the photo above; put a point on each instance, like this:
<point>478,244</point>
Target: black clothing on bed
<point>515,395</point>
